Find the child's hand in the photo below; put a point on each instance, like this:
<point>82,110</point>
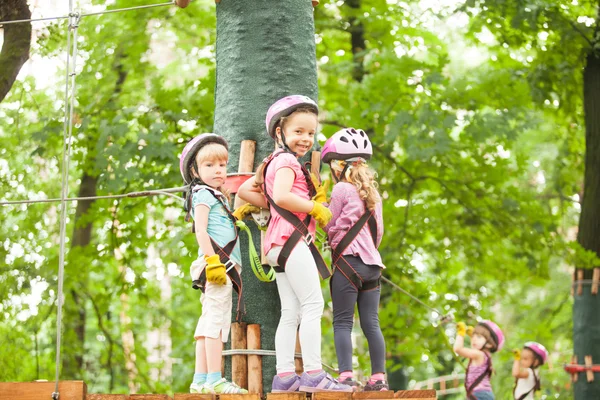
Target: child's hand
<point>470,330</point>
<point>321,214</point>
<point>215,270</point>
<point>461,329</point>
<point>243,211</point>
<point>516,354</point>
<point>321,196</point>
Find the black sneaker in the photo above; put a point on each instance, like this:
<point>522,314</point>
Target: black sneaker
<point>356,386</point>
<point>377,386</point>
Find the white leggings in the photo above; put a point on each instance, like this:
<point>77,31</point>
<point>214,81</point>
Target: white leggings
<point>301,304</point>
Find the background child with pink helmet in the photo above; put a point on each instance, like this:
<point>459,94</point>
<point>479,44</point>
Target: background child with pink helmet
<point>203,165</point>
<point>355,232</point>
<point>525,370</point>
<point>486,338</point>
<point>284,186</point>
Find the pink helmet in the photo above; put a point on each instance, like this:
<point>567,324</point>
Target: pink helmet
<point>347,144</point>
<point>284,107</point>
<point>538,349</point>
<point>495,332</point>
<point>190,150</point>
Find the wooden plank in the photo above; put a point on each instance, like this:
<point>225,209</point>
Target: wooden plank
<point>298,362</point>
<point>574,376</point>
<point>332,396</point>
<point>579,284</point>
<point>249,396</point>
<point>595,280</point>
<point>389,394</point>
<point>416,394</point>
<point>589,373</point>
<point>287,396</point>
<point>239,363</point>
<point>69,390</point>
<point>315,163</point>
<point>148,397</point>
<point>194,396</point>
<point>247,150</point>
<point>98,396</point>
<point>255,375</point>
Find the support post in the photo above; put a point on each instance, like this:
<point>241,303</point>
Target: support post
<point>239,363</point>
<point>255,378</point>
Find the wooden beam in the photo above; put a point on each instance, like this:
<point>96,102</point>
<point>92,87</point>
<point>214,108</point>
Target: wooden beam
<point>239,363</point>
<point>298,362</point>
<point>249,396</point>
<point>69,390</point>
<point>389,394</point>
<point>194,396</point>
<point>255,375</point>
<point>98,396</point>
<point>416,394</point>
<point>148,397</point>
<point>315,163</point>
<point>332,396</point>
<point>287,396</point>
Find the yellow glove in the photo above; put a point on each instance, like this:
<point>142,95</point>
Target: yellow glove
<point>215,270</point>
<point>461,329</point>
<point>321,196</point>
<point>470,330</point>
<point>320,213</point>
<point>243,211</point>
<point>516,354</point>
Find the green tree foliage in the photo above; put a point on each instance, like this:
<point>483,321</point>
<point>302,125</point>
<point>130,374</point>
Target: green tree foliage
<point>480,177</point>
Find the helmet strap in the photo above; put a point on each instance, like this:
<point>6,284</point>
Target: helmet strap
<point>284,145</point>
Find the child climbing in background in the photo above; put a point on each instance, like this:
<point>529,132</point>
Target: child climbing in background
<point>355,232</point>
<point>525,370</point>
<point>203,165</point>
<point>284,186</point>
<point>486,338</point>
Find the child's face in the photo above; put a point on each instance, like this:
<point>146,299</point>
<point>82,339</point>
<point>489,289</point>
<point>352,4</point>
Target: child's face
<point>478,341</point>
<point>527,358</point>
<point>213,172</point>
<point>300,132</point>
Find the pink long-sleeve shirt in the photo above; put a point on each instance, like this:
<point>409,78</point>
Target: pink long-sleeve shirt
<point>347,208</point>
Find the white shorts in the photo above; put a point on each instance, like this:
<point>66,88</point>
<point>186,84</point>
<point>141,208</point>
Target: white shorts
<point>216,307</point>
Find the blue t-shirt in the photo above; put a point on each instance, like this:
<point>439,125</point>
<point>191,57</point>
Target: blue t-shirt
<point>220,227</point>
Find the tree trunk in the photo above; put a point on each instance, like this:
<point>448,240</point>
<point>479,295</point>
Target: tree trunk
<point>17,40</point>
<point>586,318</point>
<point>265,50</point>
<point>76,281</point>
<point>357,37</point>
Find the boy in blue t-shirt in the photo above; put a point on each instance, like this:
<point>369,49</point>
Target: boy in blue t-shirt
<point>203,166</point>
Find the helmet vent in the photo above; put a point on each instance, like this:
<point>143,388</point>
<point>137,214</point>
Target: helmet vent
<point>365,143</point>
<point>344,139</point>
<point>355,144</point>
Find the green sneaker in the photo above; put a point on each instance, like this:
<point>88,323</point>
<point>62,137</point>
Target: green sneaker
<point>223,386</point>
<point>196,388</point>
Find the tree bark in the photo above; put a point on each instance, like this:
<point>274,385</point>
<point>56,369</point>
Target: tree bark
<point>76,281</point>
<point>265,50</point>
<point>586,318</point>
<point>17,41</point>
<point>357,38</point>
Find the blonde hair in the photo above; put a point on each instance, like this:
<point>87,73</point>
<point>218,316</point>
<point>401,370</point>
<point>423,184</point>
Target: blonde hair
<point>259,180</point>
<point>211,152</point>
<point>363,178</point>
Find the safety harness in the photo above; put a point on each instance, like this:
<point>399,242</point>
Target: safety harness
<point>537,386</point>
<point>223,252</point>
<point>341,263</point>
<point>480,378</point>
<point>301,231</point>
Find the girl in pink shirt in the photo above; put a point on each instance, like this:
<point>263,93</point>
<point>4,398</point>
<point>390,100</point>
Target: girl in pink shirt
<point>284,186</point>
<point>355,233</point>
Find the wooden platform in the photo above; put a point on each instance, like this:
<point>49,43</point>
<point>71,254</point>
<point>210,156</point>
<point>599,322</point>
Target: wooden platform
<point>77,390</point>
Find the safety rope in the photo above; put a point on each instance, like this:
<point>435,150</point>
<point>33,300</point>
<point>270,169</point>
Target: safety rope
<point>19,21</point>
<point>255,262</point>
<point>71,71</point>
<point>153,192</point>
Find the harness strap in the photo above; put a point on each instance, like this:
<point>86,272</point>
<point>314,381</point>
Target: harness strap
<point>300,232</point>
<point>536,386</point>
<point>225,258</point>
<point>341,263</point>
<point>479,379</point>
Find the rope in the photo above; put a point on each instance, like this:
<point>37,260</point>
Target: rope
<point>441,316</point>
<point>67,134</point>
<point>261,352</point>
<point>154,192</point>
<point>18,21</point>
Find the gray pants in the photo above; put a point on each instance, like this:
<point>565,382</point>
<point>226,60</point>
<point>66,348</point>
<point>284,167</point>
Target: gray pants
<point>345,297</point>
